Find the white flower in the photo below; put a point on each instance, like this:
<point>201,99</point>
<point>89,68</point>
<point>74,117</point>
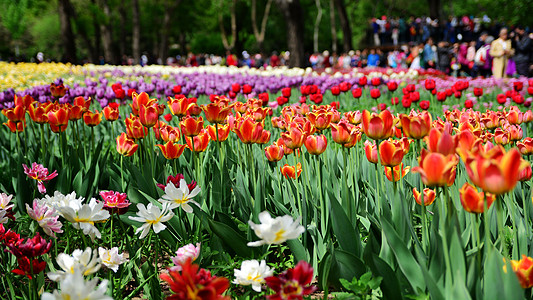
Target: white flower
<point>85,262</point>
<point>59,200</point>
<point>3,218</point>
<point>152,215</point>
<point>184,253</point>
<point>181,196</point>
<point>5,201</point>
<point>110,258</point>
<point>83,217</point>
<point>275,231</point>
<point>74,287</point>
<point>46,216</point>
<point>252,273</point>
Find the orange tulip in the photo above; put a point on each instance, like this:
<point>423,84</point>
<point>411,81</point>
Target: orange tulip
<point>249,131</point>
<point>15,127</point>
<point>342,132</point>
<point>134,128</point>
<point>528,116</point>
<point>201,141</point>
<point>171,150</point>
<point>378,126</point>
<point>191,126</point>
<point>148,115</point>
<point>391,153</point>
<point>441,141</point>
<point>75,112</point>
<point>472,200</point>
<point>495,174</point>
<point>524,271</point>
<point>239,107</point>
<point>15,114</point>
<point>58,119</point>
<point>525,146</point>
<point>274,152</point>
<point>140,100</point>
<point>25,101</point>
<point>355,136</point>
<point>416,126</point>
<point>525,174</point>
<point>258,113</point>
<point>429,196</point>
<point>81,102</point>
<point>354,117</point>
<point>58,91</point>
<point>216,112</point>
<point>194,109</point>
<point>320,119</point>
<point>435,168</point>
<point>286,150</point>
<point>466,141</point>
<point>371,152</point>
<point>515,132</point>
<point>492,119</point>
<point>294,138</point>
<point>316,144</point>
<point>514,116</point>
<point>169,134</point>
<point>92,119</point>
<point>111,112</point>
<point>223,132</point>
<point>179,106</point>
<point>125,145</point>
<point>37,113</point>
<point>291,171</point>
<point>399,172</point>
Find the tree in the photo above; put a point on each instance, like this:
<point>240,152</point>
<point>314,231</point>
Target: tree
<point>317,25</point>
<point>293,15</point>
<point>170,7</point>
<point>345,25</point>
<point>260,35</point>
<point>67,36</point>
<point>107,34</point>
<point>136,36</point>
<point>333,26</point>
<point>435,9</point>
<point>228,45</point>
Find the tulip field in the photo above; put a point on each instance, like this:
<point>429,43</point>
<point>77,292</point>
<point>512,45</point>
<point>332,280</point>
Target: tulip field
<point>228,183</point>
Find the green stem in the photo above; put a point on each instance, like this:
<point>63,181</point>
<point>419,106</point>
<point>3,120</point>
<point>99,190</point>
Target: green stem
<point>445,244</point>
<point>499,218</point>
<point>425,240</point>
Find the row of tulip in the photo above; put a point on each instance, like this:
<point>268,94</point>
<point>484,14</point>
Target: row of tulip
<point>337,211</point>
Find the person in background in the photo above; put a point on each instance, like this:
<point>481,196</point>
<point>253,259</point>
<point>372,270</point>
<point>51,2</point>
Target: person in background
<point>375,31</point>
<point>484,60</point>
<point>373,59</point>
<point>470,56</point>
<point>274,59</point>
<point>501,50</point>
<point>429,54</point>
<point>231,60</point>
<point>481,40</point>
<point>522,51</point>
<point>444,53</point>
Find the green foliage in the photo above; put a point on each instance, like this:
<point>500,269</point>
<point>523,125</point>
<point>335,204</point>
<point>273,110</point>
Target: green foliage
<point>364,288</point>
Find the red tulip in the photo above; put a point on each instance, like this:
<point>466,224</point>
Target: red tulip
<point>171,150</point>
<point>357,93</point>
<point>316,144</point>
<point>125,145</point>
<point>392,86</point>
<point>274,152</point>
<point>375,93</point>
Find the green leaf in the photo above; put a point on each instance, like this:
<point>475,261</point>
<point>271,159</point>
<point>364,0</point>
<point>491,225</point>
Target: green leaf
<point>231,238</point>
<point>405,259</point>
<point>348,237</point>
<point>298,250</point>
<point>345,265</point>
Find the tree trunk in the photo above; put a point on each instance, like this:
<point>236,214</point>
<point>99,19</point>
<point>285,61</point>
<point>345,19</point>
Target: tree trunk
<point>434,9</point>
<point>122,39</point>
<point>228,45</point>
<point>136,32</point>
<point>107,35</point>
<point>317,25</point>
<point>165,29</point>
<point>97,35</point>
<point>260,35</point>
<point>67,35</point>
<point>292,12</point>
<point>333,26</point>
<point>345,25</point>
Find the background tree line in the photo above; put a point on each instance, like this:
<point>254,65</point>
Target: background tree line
<point>91,30</point>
